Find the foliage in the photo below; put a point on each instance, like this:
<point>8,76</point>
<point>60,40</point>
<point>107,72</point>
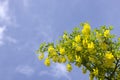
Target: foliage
<point>96,51</point>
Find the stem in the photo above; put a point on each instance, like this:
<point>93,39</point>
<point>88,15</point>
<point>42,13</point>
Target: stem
<point>112,74</point>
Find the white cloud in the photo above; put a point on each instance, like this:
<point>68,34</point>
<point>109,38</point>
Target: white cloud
<point>58,71</point>
<point>4,12</point>
<point>25,70</point>
<point>6,19</point>
<point>2,30</point>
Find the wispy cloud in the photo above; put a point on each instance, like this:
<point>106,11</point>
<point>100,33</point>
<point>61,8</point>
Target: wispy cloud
<point>2,30</point>
<point>57,71</point>
<point>25,70</point>
<point>6,19</point>
<point>4,12</point>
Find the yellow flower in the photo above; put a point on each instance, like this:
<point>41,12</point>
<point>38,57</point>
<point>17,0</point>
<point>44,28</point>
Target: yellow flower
<point>74,44</point>
<point>55,58</point>
<point>62,51</point>
<point>86,29</point>
<point>77,38</point>
<point>40,57</point>
<point>95,71</point>
<point>54,53</point>
<point>109,59</point>
<point>78,58</point>
<point>65,36</point>
<point>69,67</point>
<point>63,59</point>
<point>47,62</point>
<point>84,42</point>
<point>103,46</point>
<point>107,33</point>
<point>78,48</point>
<point>70,58</point>
<point>98,35</point>
<point>91,45</point>
<point>51,49</point>
<point>92,59</point>
<point>109,56</point>
<point>78,61</point>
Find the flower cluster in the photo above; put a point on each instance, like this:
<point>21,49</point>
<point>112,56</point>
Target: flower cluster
<point>94,50</point>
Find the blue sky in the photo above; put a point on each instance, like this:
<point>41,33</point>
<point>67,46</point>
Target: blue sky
<point>24,24</point>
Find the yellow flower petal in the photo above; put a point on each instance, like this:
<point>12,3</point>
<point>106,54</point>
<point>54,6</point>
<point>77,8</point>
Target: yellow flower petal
<point>62,51</point>
<point>107,33</point>
<point>77,38</point>
<point>69,67</point>
<point>47,62</point>
<point>86,29</point>
<point>41,56</point>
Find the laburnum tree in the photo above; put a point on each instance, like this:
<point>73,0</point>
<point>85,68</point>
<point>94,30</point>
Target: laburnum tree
<point>96,51</point>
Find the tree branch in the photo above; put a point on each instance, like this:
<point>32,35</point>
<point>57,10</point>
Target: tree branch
<point>114,69</point>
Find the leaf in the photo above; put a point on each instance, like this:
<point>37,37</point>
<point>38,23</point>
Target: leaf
<point>76,29</point>
<point>111,27</point>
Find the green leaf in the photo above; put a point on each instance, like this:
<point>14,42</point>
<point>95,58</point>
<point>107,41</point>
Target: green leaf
<point>76,29</point>
<point>111,27</point>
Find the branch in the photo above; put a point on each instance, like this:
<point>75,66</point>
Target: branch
<point>114,69</point>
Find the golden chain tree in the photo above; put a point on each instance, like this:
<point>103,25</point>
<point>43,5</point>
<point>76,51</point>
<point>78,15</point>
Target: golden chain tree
<point>96,51</point>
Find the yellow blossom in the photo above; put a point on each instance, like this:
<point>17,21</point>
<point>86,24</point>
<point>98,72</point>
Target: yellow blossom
<point>70,58</point>
<point>54,53</point>
<point>78,61</point>
<point>62,51</point>
<point>77,38</point>
<point>109,56</point>
<point>63,59</point>
<point>51,49</point>
<point>95,71</point>
<point>69,67</point>
<point>47,62</point>
<point>65,36</point>
<point>78,48</point>
<point>98,35</point>
<point>107,33</point>
<point>103,46</point>
<point>55,58</point>
<point>109,59</point>
<point>86,29</point>
<point>74,44</point>
<point>84,42</point>
<point>78,58</point>
<point>91,45</point>
<point>92,59</point>
<point>41,56</point>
